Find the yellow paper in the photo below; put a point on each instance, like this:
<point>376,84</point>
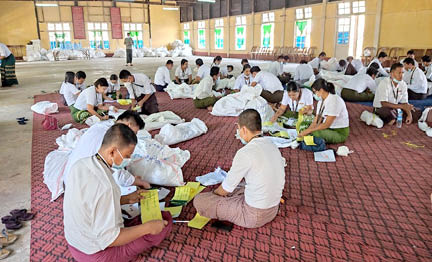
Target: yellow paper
<point>268,123</point>
<point>192,195</point>
<point>124,102</point>
<point>193,185</point>
<point>175,211</point>
<point>182,193</point>
<point>309,141</point>
<point>195,189</point>
<point>198,221</point>
<point>413,145</point>
<point>150,209</point>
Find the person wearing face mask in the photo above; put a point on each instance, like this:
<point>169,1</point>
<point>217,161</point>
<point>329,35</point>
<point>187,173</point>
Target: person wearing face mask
<point>382,57</point>
<point>276,67</point>
<point>222,70</point>
<point>361,87</point>
<point>203,93</point>
<point>410,54</point>
<point>416,80</point>
<point>261,165</point>
<point>331,122</point>
<point>93,223</point>
<point>89,103</point>
<point>272,89</point>
<point>296,98</point>
<point>303,72</point>
<point>392,94</point>
<point>244,78</point>
<point>183,73</point>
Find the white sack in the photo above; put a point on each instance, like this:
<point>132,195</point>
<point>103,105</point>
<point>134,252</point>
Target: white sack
<point>69,140</point>
<point>55,163</point>
<point>225,83</point>
<point>158,120</point>
<point>371,119</point>
<point>180,91</point>
<point>45,108</point>
<point>170,135</point>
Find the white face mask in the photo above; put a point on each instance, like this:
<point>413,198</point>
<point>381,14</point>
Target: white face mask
<point>317,98</point>
<point>240,138</point>
<point>125,162</point>
<point>396,81</point>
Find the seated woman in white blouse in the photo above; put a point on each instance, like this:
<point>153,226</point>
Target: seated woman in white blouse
<point>331,122</point>
<point>295,98</point>
<point>244,79</point>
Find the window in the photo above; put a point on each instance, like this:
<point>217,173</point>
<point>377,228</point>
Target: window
<point>343,31</point>
<point>186,34</point>
<point>303,13</point>
<point>267,30</point>
<point>240,33</point>
<point>268,17</point>
<point>136,32</point>
<point>359,7</point>
<point>303,27</point>
<point>219,34</point>
<point>308,12</point>
<point>98,35</point>
<point>201,35</point>
<point>59,35</point>
<point>344,8</point>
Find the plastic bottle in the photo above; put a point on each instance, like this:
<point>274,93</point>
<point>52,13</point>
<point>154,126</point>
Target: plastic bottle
<point>399,118</point>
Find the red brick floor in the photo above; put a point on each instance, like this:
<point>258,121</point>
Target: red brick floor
<point>371,206</point>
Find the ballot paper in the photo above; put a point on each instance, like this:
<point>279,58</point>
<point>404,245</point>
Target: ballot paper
<point>150,209</point>
<point>198,221</point>
<point>181,196</point>
<point>325,156</point>
<point>309,141</point>
<point>175,211</point>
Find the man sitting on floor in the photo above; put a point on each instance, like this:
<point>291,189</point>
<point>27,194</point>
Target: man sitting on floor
<point>316,62</point>
<point>392,94</point>
<point>272,89</point>
<point>411,54</point>
<point>141,91</point>
<point>93,223</point>
<point>382,57</point>
<point>203,71</point>
<point>354,66</point>
<point>416,80</point>
<point>162,77</point>
<point>427,65</point>
<point>303,72</point>
<point>261,165</point>
<point>203,93</point>
<point>361,87</point>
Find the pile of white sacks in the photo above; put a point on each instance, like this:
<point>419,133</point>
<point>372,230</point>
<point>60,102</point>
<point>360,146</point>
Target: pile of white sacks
<point>48,55</point>
<point>180,50</point>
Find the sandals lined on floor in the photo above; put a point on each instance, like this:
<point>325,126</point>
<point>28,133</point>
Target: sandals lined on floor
<point>4,253</point>
<point>7,239</point>
<point>13,222</point>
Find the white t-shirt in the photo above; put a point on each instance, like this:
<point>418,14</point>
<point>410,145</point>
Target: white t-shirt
<point>141,86</point>
<point>112,87</point>
<point>357,64</point>
<point>183,75</point>
<point>88,96</point>
<point>162,76</point>
<point>334,106</point>
<point>241,81</point>
<point>303,72</point>
<point>387,92</point>
<point>416,81</point>
<point>70,93</point>
<point>415,62</point>
<point>81,87</point>
<point>204,88</point>
<point>429,72</point>
<point>203,71</point>
<point>268,81</point>
<point>381,69</point>
<point>306,99</point>
<point>4,50</point>
<point>222,70</point>
<point>360,82</point>
<point>261,165</point>
<point>91,207</point>
<point>315,63</point>
<point>276,68</point>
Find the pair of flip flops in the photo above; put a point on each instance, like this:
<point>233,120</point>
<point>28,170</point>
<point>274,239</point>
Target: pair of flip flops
<point>6,239</point>
<point>13,222</point>
<point>22,120</point>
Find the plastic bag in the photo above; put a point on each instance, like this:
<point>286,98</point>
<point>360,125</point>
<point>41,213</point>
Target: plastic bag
<point>55,163</point>
<point>212,178</point>
<point>371,119</point>
<point>170,135</point>
<point>180,91</point>
<point>158,120</point>
<point>44,108</point>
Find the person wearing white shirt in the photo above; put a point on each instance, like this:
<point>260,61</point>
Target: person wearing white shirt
<point>244,79</point>
<point>296,99</point>
<point>141,91</point>
<point>68,89</point>
<point>331,122</point>
<point>203,71</point>
<point>276,67</point>
<point>261,165</point>
<point>271,85</point>
<point>80,78</point>
<point>93,223</point>
<point>316,62</point>
<point>427,65</point>
<point>303,72</point>
<point>89,103</point>
<point>223,71</point>
<point>392,94</point>
<point>416,80</point>
<point>354,66</point>
<point>410,54</point>
<point>162,77</point>
<point>361,88</point>
<point>7,67</point>
<point>382,57</point>
<point>183,73</point>
<point>203,93</point>
<point>113,90</point>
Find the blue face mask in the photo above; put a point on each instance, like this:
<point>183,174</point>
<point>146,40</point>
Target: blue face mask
<point>317,98</point>
<point>239,137</point>
<point>396,81</point>
<point>125,162</point>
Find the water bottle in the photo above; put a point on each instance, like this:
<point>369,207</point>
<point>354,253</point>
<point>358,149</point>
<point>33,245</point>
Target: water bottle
<point>399,118</point>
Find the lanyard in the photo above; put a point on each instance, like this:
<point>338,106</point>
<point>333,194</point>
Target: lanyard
<point>295,110</point>
<point>412,75</point>
<point>395,94</point>
<point>247,80</point>
<point>321,111</point>
<point>100,158</point>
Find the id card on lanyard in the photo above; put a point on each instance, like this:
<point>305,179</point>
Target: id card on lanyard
<point>292,102</point>
<point>320,114</point>
<point>395,91</point>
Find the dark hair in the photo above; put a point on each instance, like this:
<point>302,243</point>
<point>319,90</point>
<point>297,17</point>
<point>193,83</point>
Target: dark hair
<point>246,66</point>
<point>183,61</point>
<point>286,58</point>
<point>396,66</point>
<point>322,84</point>
<point>255,69</point>
<point>124,74</point>
<point>303,61</point>
<point>230,66</point>
<point>350,57</point>
<point>322,54</point>
<point>199,62</point>
<point>128,33</point>
<point>426,59</point>
<point>251,119</point>
<point>374,65</point>
<point>409,61</point>
<point>382,55</point>
<point>292,87</point>
<point>170,62</point>
<point>410,52</point>
<point>132,115</point>
<point>217,58</point>
<point>113,77</point>
<point>372,71</point>
<point>101,82</point>
<point>80,75</point>
<point>70,77</point>
<point>120,135</point>
<point>342,63</point>
<point>244,60</point>
<point>214,71</point>
<point>280,57</point>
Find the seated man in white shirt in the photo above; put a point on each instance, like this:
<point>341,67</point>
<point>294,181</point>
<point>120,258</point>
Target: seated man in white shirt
<point>80,78</point>
<point>277,69</point>
<point>427,65</point>
<point>141,91</point>
<point>261,165</point>
<point>271,85</point>
<point>162,77</point>
<point>361,87</point>
<point>203,93</point>
<point>316,62</point>
<point>113,90</point>
<point>411,54</point>
<point>303,72</point>
<point>415,79</point>
<point>203,71</point>
<point>382,57</point>
<point>392,94</point>
<point>93,223</point>
<point>354,66</point>
<point>183,73</point>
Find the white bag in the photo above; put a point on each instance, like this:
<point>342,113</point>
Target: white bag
<point>422,124</point>
<point>157,120</point>
<point>170,135</point>
<point>69,140</point>
<point>54,167</point>
<point>180,91</point>
<point>371,119</point>
<point>225,83</point>
<point>45,108</point>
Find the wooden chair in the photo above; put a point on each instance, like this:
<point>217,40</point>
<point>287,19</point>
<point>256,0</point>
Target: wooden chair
<point>368,54</point>
<point>253,52</point>
<point>394,55</point>
<point>419,53</point>
<point>429,52</point>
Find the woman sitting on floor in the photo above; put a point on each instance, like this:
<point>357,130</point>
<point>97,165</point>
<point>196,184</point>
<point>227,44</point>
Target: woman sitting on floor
<point>68,89</point>
<point>296,98</point>
<point>89,103</point>
<point>331,122</point>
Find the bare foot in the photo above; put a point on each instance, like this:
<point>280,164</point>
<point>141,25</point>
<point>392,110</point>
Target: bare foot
<point>391,122</point>
<point>131,64</point>
<point>210,108</point>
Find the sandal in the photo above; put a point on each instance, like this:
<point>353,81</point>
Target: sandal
<point>11,222</point>
<point>4,253</point>
<point>6,239</point>
<point>22,215</point>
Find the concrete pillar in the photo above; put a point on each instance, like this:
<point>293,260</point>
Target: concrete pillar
<point>378,24</point>
<point>323,21</point>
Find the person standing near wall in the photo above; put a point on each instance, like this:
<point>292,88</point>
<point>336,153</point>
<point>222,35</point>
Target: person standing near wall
<point>7,67</point>
<point>129,44</point>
